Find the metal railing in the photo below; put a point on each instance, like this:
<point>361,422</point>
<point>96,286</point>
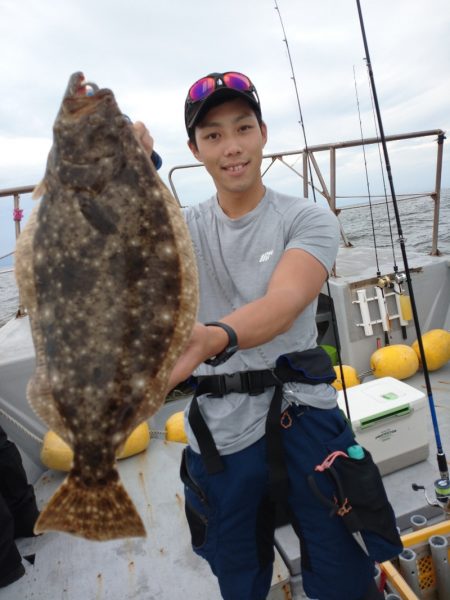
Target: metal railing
<point>17,213</point>
<point>329,191</point>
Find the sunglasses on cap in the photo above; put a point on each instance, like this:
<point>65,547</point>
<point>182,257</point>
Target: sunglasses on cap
<point>205,86</point>
<point>201,92</point>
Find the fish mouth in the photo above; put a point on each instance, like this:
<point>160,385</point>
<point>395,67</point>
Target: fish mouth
<point>79,86</point>
<point>87,88</point>
<point>83,95</point>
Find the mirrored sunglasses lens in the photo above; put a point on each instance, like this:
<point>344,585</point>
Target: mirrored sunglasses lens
<point>202,88</point>
<point>236,81</point>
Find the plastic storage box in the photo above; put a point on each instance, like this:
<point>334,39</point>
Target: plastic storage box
<point>389,419</point>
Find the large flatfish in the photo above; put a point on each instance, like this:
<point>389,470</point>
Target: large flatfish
<point>108,275</point>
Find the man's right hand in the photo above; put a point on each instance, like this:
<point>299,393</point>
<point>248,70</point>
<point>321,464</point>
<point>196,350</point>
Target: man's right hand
<point>203,343</point>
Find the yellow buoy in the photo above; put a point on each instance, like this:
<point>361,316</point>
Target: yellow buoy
<point>399,361</point>
<point>436,345</point>
<point>137,441</point>
<point>175,428</point>
<point>350,377</point>
<point>56,454</point>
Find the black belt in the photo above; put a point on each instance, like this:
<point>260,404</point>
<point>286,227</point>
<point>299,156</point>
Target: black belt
<point>252,383</point>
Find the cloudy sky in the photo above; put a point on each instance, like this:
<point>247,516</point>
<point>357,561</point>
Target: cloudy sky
<point>149,52</point>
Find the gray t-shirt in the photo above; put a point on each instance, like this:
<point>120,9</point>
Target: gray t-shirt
<point>236,259</point>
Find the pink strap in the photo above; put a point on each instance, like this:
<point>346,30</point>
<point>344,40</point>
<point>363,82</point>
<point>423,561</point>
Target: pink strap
<point>330,460</point>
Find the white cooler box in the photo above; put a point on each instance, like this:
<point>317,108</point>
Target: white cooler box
<point>389,418</point>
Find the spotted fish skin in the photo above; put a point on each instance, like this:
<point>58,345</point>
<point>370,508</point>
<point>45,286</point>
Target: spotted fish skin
<point>108,274</point>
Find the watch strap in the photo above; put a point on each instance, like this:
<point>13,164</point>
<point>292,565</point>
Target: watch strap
<point>231,347</point>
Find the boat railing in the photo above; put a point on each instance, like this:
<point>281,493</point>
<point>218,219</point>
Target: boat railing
<point>289,159</point>
<point>310,162</point>
<point>17,214</point>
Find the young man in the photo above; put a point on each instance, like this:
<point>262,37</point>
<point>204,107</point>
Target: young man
<point>264,414</point>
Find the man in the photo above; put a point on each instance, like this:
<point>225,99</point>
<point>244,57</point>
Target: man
<point>254,439</point>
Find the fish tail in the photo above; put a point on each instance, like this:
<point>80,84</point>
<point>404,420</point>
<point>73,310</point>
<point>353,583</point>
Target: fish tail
<point>99,513</point>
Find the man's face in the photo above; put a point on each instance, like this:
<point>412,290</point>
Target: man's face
<point>230,142</point>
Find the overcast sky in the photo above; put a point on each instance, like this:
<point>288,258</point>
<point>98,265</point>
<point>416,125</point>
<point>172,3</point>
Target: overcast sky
<point>149,52</point>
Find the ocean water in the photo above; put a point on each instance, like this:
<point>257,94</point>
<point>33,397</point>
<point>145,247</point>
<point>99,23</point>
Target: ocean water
<point>416,217</point>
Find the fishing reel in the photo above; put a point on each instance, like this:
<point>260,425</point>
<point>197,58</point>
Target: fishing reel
<point>385,282</point>
<point>400,278</point>
<point>441,491</point>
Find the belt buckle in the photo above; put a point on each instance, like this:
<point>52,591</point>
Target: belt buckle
<point>232,382</point>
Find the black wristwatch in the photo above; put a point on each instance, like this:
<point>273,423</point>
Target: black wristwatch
<point>231,348</point>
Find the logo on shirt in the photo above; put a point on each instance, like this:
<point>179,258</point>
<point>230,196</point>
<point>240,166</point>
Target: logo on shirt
<point>265,256</point>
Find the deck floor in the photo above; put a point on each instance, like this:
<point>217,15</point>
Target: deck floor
<point>158,567</point>
<point>398,484</point>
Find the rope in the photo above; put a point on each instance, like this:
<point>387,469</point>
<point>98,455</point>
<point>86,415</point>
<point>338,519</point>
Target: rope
<point>6,255</point>
<point>20,426</point>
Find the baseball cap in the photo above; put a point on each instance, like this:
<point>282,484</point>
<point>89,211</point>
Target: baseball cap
<point>215,88</point>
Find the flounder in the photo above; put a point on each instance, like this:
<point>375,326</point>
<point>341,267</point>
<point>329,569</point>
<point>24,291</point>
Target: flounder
<point>107,272</point>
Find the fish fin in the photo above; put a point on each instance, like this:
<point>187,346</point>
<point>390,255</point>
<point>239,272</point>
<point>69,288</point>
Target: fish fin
<point>41,400</point>
<point>24,269</point>
<point>39,190</point>
<point>39,393</point>
<point>96,513</point>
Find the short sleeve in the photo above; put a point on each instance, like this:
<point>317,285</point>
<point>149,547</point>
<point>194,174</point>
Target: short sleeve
<point>315,229</point>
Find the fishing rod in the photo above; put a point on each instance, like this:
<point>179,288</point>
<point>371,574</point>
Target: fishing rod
<point>385,320</point>
<point>302,125</point>
<point>442,486</point>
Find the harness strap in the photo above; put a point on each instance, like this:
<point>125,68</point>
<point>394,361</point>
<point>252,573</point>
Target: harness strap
<point>310,366</point>
<point>278,473</point>
<point>208,449</point>
<point>252,383</point>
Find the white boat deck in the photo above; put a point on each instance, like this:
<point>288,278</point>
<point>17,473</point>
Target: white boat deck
<point>158,567</point>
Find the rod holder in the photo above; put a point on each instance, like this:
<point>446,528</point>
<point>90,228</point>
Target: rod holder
<point>409,570</point>
<point>439,553</point>
<point>418,522</point>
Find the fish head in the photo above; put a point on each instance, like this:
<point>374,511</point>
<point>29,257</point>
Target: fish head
<point>86,134</point>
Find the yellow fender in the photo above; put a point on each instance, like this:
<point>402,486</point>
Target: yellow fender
<point>350,377</point>
<point>398,361</point>
<point>436,345</point>
<point>137,441</point>
<point>175,428</point>
<point>56,454</point>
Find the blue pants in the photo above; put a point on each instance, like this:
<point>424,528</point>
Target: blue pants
<point>231,517</point>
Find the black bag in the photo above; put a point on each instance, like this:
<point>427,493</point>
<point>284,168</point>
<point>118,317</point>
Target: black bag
<point>360,497</point>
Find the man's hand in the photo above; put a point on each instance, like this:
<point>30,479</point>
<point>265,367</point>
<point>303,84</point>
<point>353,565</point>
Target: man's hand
<point>203,343</point>
<point>143,136</point>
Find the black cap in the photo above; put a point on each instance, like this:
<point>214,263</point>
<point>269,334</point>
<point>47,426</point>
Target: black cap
<point>194,111</point>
